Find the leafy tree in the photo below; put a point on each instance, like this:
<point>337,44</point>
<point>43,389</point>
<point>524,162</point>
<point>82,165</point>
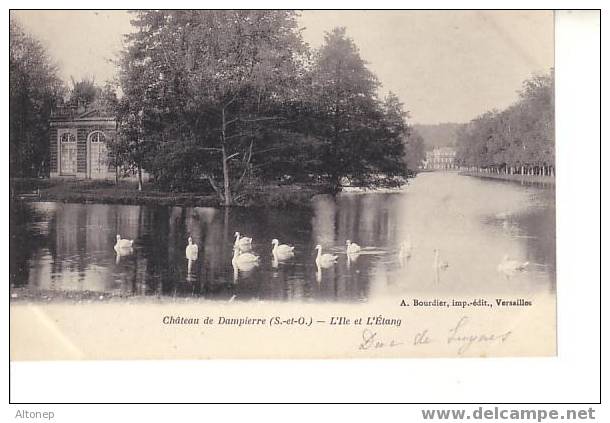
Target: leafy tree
<point>415,150</point>
<point>222,99</point>
<point>519,139</point>
<point>84,92</point>
<point>107,99</point>
<point>209,85</point>
<point>129,150</point>
<point>392,158</point>
<point>362,135</point>
<point>34,89</point>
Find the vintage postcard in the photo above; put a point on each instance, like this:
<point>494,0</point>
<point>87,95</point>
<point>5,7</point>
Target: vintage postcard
<point>199,184</point>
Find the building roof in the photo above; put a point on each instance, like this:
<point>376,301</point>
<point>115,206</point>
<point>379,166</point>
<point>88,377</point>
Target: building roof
<point>71,116</point>
<point>71,113</point>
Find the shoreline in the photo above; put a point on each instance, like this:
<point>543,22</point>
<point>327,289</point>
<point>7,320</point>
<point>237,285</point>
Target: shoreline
<point>126,193</point>
<point>535,179</point>
<point>272,195</point>
<point>297,195</point>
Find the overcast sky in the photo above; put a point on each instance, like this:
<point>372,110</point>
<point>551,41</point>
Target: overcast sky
<point>446,66</point>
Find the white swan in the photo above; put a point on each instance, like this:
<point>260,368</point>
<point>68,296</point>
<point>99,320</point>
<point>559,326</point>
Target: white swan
<point>122,252</point>
<point>123,243</point>
<point>192,250</point>
<point>405,249</point>
<point>281,251</point>
<point>244,261</point>
<point>242,242</point>
<point>508,266</point>
<point>352,247</point>
<point>242,267</point>
<point>438,264</point>
<point>324,260</point>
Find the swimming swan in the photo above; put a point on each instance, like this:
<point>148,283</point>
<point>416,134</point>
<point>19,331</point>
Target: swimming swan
<point>123,243</point>
<point>191,250</point>
<point>352,247</point>
<point>281,250</point>
<point>243,259</point>
<point>324,260</point>
<point>244,242</point>
<point>122,252</point>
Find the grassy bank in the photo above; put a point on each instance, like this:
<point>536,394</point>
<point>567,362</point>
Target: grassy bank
<point>126,192</point>
<point>549,180</point>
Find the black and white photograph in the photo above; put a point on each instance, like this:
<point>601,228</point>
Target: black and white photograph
<point>303,183</point>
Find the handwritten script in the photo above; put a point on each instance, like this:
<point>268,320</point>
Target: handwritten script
<point>370,340</point>
<point>461,335</point>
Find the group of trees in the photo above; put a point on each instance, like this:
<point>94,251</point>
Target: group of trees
<point>517,140</point>
<point>224,99</point>
<point>34,89</point>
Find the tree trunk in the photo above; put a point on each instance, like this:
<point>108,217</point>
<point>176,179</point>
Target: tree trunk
<point>139,178</point>
<point>336,184</point>
<point>225,177</point>
<point>225,162</point>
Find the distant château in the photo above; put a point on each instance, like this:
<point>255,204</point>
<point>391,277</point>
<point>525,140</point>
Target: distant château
<point>440,159</point>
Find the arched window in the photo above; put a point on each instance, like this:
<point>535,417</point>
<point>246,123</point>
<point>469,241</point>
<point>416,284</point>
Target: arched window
<point>97,136</point>
<point>67,137</point>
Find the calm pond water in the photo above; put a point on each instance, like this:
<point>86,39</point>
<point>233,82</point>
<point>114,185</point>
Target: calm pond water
<point>66,251</point>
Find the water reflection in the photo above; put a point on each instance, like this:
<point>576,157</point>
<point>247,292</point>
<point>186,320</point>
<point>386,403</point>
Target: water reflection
<point>443,234</point>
